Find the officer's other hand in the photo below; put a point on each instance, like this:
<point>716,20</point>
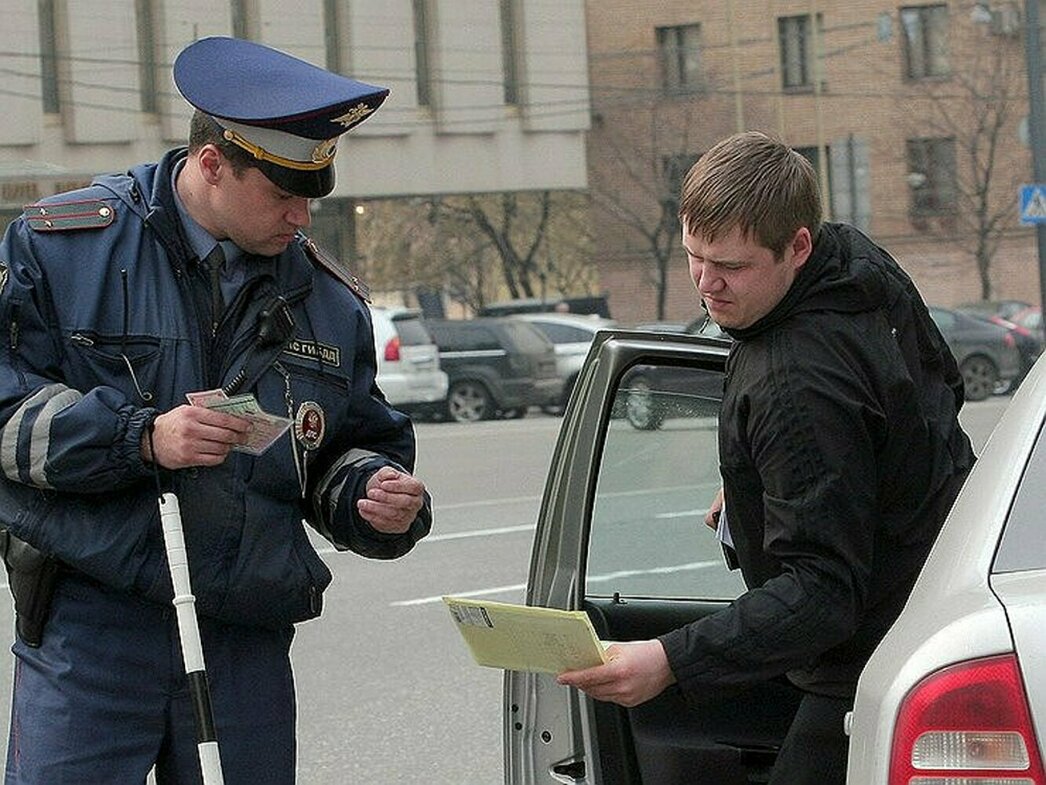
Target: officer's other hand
<point>194,436</point>
<point>393,500</point>
<point>634,673</point>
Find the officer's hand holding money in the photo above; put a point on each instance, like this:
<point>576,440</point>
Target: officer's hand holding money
<point>193,436</point>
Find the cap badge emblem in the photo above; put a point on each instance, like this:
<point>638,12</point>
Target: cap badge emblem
<point>310,424</point>
<point>354,115</point>
<point>324,151</point>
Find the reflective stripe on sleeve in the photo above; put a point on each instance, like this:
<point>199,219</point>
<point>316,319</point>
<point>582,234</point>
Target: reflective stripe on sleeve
<point>354,458</point>
<point>47,402</point>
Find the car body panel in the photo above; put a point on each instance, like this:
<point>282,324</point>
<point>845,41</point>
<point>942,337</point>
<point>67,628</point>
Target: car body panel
<point>1024,597</point>
<point>959,609</point>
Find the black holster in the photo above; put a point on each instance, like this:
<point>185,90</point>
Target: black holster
<point>32,576</point>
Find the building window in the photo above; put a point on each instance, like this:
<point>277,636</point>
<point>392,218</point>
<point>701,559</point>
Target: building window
<point>145,20</point>
<point>422,64</point>
<point>332,34</point>
<point>795,38</point>
<point>931,176</point>
<point>924,31</point>
<point>680,52</point>
<point>49,57</point>
<point>510,55</point>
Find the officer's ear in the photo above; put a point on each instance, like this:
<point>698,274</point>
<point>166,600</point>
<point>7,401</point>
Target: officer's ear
<point>213,164</point>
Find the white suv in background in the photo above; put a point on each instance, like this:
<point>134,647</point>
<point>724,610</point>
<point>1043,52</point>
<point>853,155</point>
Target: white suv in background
<point>408,362</point>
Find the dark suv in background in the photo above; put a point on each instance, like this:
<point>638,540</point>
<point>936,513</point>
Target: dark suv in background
<point>496,367</point>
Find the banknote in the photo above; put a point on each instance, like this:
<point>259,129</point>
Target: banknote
<point>206,397</point>
<point>265,428</point>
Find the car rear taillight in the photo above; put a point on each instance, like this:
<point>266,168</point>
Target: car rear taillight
<point>967,724</point>
<point>392,349</point>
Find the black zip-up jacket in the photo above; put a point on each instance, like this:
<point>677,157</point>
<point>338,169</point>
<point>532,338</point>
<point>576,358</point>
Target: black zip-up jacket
<point>841,454</point>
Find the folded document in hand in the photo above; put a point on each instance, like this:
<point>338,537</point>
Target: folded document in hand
<point>526,638</point>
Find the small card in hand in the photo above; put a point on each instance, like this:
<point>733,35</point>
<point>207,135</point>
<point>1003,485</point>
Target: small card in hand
<point>266,428</point>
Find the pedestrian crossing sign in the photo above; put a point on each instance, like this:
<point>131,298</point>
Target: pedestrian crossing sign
<point>1033,204</point>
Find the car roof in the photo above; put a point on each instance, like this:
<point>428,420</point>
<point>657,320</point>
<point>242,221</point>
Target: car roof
<point>577,319</point>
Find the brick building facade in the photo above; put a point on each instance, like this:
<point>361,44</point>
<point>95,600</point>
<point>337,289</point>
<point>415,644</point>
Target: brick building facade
<point>909,112</point>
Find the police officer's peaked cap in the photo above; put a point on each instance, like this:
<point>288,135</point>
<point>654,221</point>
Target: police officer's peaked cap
<point>285,112</point>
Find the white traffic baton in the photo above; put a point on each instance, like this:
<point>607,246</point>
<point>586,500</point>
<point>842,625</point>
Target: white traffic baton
<point>189,633</point>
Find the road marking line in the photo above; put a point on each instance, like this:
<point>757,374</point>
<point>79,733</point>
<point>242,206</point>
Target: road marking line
<point>526,527</point>
<point>696,565</point>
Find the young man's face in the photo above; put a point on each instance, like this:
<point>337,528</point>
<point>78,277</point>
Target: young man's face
<point>255,213</point>
<point>739,280</point>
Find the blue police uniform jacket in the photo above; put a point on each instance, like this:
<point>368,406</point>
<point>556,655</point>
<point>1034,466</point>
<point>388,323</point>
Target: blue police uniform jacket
<point>105,327</point>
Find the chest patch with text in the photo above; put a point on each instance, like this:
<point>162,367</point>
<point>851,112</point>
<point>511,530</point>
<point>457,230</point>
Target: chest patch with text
<point>314,350</point>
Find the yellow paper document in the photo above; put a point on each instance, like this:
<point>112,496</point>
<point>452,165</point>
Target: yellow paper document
<point>526,638</point>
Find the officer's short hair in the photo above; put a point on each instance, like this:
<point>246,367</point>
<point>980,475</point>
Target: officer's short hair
<point>756,183</point>
<point>203,131</point>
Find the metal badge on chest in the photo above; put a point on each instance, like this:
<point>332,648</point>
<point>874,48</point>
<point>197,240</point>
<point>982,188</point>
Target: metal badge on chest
<point>310,423</point>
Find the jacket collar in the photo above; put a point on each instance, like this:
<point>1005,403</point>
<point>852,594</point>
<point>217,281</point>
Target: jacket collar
<point>146,189</point>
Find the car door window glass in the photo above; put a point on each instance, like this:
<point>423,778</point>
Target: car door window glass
<point>528,338</point>
<point>659,472</point>
<point>1023,547</point>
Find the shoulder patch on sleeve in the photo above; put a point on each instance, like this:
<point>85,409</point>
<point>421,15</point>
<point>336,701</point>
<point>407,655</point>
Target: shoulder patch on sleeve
<point>322,259</point>
<point>64,216</point>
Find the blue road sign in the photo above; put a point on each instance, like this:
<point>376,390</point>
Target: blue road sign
<point>1033,204</point>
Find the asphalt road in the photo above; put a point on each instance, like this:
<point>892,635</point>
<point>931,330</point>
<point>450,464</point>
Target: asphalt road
<point>387,691</point>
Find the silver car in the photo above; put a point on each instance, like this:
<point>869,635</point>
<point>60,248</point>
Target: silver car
<point>955,688</point>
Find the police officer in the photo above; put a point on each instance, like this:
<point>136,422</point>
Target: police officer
<point>172,329</point>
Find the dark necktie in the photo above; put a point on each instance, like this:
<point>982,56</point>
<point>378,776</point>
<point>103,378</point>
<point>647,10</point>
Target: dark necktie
<point>213,263</point>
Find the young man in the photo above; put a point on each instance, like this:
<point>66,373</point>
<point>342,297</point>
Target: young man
<point>840,450</point>
<point>189,278</point>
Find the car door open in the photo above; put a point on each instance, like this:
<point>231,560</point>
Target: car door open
<point>621,535</point>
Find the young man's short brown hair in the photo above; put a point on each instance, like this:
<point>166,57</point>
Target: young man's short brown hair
<point>756,183</point>
<point>203,130</point>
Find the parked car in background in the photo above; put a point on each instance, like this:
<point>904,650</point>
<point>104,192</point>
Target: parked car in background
<point>586,304</point>
<point>571,335</point>
<point>1029,342</point>
<point>660,327</point>
<point>409,370</point>
<point>497,367</point>
<point>1002,308</point>
<point>1031,319</point>
<point>651,392</point>
<point>987,353</point>
<point>955,693</point>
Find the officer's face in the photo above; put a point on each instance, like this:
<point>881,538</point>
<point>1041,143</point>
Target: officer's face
<point>739,280</point>
<point>256,214</point>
